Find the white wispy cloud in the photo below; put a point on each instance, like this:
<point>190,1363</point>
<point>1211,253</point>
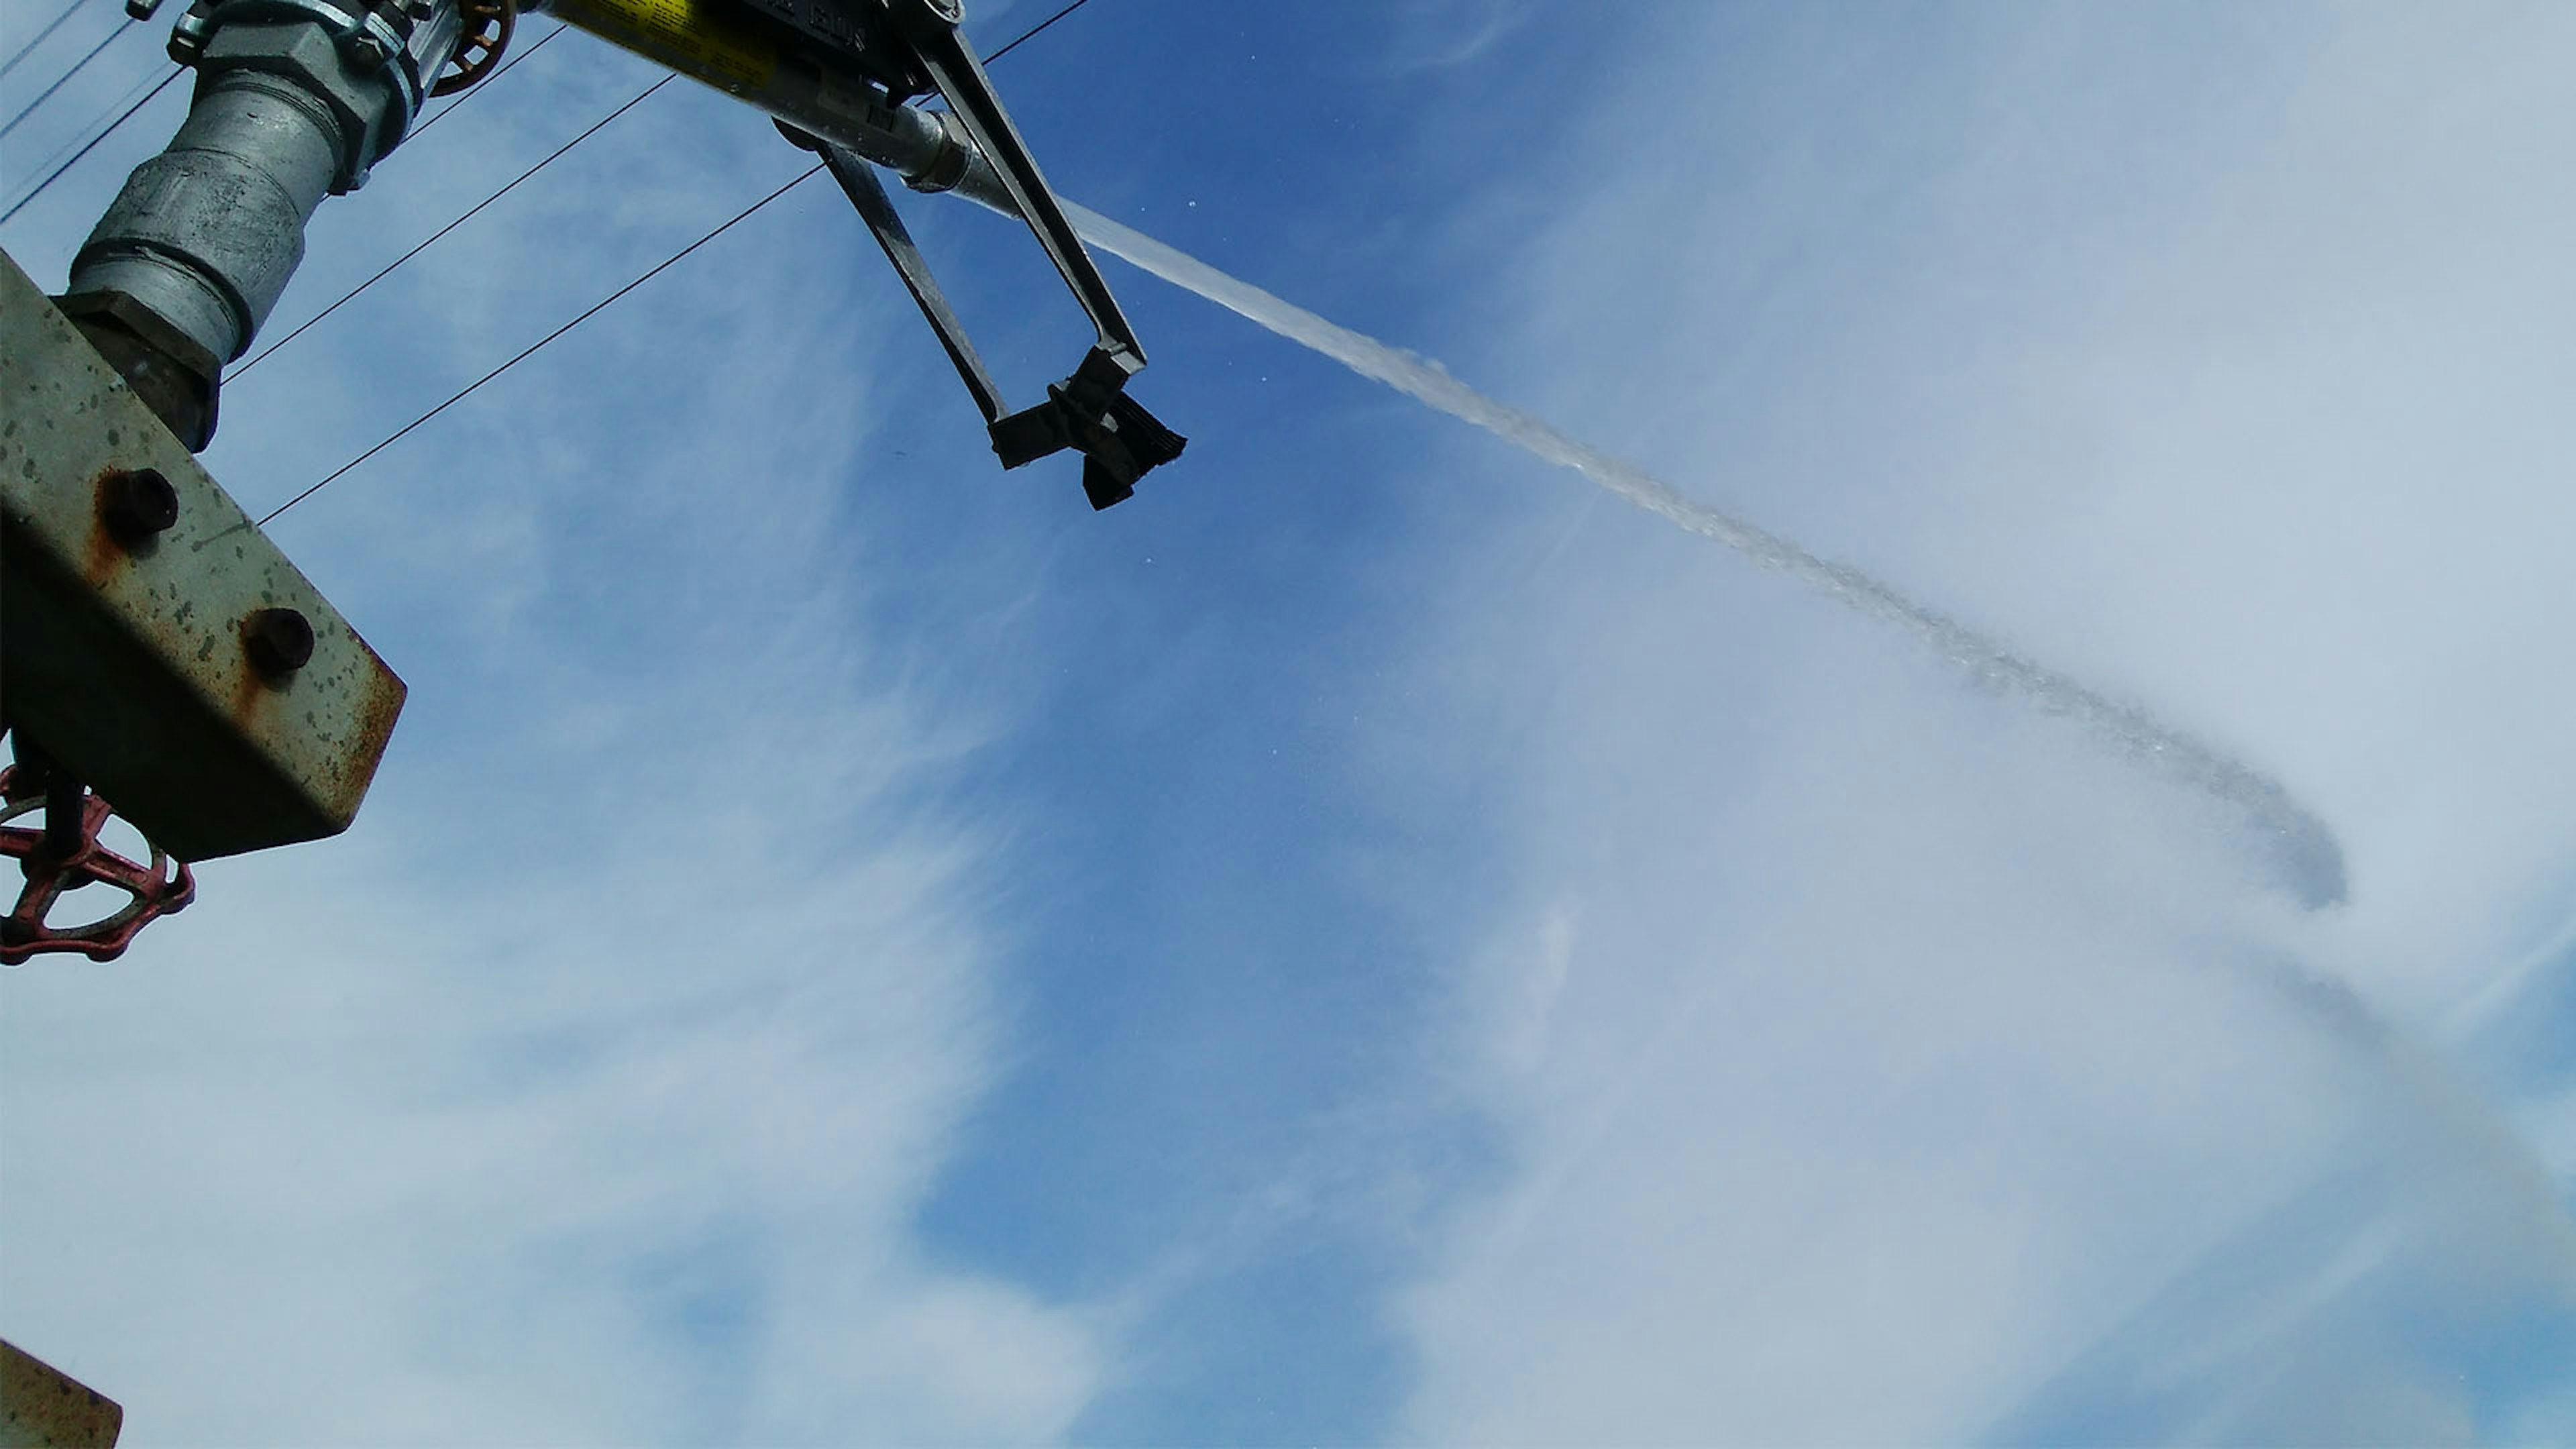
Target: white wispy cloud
<point>1869,1054</point>
<point>589,1089</point>
<point>1818,1051</point>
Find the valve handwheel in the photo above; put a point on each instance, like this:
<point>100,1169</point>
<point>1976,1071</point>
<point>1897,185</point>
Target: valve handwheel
<point>488,24</point>
<point>66,855</point>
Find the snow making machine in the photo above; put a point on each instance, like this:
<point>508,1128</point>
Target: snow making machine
<point>841,78</point>
<point>156,649</point>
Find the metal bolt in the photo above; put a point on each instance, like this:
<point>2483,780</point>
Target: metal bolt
<point>188,37</point>
<point>278,641</point>
<point>137,504</point>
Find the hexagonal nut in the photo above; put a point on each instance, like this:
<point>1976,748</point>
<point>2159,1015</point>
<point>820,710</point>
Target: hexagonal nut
<point>137,505</point>
<point>366,104</point>
<point>145,323</point>
<point>170,371</point>
<point>278,642</point>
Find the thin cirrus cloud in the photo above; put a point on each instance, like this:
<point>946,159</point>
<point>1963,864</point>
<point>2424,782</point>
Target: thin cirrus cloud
<point>1676,1012</point>
<point>585,1092</point>
<point>1877,1063</point>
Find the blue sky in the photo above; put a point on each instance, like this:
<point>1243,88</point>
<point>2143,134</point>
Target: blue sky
<point>1372,940</point>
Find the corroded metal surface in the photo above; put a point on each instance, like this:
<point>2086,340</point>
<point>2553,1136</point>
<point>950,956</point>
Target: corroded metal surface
<point>43,1408</point>
<point>67,856</point>
<point>127,656</point>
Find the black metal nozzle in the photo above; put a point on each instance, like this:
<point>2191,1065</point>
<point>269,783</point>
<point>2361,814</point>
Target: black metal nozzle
<point>1126,444</point>
<point>1091,413</point>
<point>1119,441</point>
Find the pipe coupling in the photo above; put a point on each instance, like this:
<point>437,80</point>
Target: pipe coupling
<point>369,67</point>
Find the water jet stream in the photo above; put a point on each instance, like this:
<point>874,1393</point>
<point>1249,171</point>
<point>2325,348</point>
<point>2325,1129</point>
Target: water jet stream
<point>2310,858</point>
<point>2301,846</point>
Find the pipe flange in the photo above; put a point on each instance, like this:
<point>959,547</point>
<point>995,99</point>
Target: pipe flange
<point>320,70</point>
<point>370,43</point>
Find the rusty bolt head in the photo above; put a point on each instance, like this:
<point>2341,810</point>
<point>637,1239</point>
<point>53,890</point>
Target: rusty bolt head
<point>278,641</point>
<point>137,504</point>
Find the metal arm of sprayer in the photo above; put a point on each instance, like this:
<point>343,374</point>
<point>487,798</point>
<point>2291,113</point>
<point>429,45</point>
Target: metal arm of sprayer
<point>836,74</point>
<point>1089,411</point>
<point>930,28</point>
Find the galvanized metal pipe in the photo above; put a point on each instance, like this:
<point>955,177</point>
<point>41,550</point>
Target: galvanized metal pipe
<point>757,60</point>
<point>296,100</point>
<point>207,233</point>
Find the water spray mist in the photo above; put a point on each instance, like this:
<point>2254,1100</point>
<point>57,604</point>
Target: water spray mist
<point>2305,851</point>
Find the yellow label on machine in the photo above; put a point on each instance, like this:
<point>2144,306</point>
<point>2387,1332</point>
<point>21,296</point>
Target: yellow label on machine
<point>690,36</point>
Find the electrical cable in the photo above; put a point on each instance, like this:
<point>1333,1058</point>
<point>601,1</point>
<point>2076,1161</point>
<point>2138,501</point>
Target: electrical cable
<point>531,350</point>
<point>78,66</point>
<point>264,353</point>
<point>136,106</point>
<point>1032,32</point>
<point>351,295</point>
<point>92,144</point>
<point>42,36</point>
<point>506,66</point>
<point>602,305</point>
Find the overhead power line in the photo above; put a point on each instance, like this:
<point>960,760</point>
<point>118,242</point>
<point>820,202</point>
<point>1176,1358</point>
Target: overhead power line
<point>604,303</point>
<point>42,36</point>
<point>64,79</point>
<point>1034,31</point>
<point>90,145</point>
<point>595,309</point>
<point>352,294</point>
<point>1023,38</point>
<point>506,67</point>
<point>136,106</point>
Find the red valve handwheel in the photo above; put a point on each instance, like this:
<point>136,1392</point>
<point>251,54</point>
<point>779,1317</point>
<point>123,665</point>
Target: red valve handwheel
<point>152,890</point>
<point>488,24</point>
